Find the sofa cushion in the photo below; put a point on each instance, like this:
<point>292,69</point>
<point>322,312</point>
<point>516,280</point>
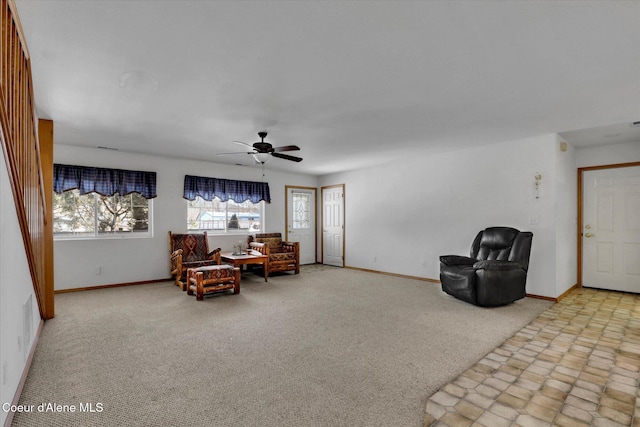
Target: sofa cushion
<point>273,240</point>
<point>282,256</point>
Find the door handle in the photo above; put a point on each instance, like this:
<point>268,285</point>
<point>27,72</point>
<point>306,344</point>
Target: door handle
<point>588,235</point>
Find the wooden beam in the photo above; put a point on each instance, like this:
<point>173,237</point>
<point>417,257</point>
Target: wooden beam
<point>45,136</point>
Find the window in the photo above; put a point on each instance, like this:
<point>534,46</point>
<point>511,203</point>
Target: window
<point>93,215</point>
<point>224,217</point>
<point>99,202</point>
<point>301,209</point>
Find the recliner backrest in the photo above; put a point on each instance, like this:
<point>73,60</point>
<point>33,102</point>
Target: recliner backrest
<point>494,243</point>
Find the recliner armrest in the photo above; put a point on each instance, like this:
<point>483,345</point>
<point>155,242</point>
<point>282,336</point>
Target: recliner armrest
<point>496,265</point>
<point>456,260</point>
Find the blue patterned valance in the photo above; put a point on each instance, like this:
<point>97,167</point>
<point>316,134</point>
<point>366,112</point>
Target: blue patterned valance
<point>103,181</point>
<point>225,189</point>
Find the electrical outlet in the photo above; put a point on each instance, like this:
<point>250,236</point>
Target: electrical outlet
<point>98,270</point>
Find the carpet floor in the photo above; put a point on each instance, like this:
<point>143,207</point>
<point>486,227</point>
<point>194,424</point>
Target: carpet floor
<point>328,347</point>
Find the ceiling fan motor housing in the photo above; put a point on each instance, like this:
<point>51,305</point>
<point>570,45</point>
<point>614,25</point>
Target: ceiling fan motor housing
<point>263,147</point>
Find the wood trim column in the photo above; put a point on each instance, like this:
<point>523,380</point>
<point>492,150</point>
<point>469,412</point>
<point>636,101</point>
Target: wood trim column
<point>45,136</point>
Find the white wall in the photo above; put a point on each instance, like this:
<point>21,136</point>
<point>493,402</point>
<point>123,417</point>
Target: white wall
<point>447,199</point>
<point>139,259</point>
<point>608,155</point>
<point>16,288</point>
<point>402,216</point>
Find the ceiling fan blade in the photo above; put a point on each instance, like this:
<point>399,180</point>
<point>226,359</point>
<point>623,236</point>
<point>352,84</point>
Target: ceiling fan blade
<point>244,143</point>
<point>237,152</point>
<point>287,157</point>
<point>286,148</point>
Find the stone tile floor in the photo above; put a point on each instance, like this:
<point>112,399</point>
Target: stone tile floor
<point>577,364</point>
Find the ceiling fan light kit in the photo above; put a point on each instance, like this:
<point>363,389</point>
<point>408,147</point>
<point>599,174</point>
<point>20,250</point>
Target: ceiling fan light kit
<point>263,151</point>
<point>261,157</point>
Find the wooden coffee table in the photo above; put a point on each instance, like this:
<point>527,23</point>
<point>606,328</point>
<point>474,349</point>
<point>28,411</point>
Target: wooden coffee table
<point>245,259</point>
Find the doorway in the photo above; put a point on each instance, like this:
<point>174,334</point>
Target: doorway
<point>333,225</point>
<point>301,221</point>
<point>609,227</point>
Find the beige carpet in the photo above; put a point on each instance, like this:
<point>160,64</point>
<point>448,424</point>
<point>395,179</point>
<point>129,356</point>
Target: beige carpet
<point>328,347</point>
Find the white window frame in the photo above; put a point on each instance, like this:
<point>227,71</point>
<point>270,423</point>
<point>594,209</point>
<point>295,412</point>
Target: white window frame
<point>96,235</point>
<point>225,220</point>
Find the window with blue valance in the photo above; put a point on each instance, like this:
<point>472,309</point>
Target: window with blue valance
<point>103,181</point>
<point>225,189</point>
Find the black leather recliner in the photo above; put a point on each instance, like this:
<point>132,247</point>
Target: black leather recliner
<point>495,273</point>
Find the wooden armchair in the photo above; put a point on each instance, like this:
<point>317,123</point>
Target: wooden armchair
<point>189,251</point>
<point>283,256</point>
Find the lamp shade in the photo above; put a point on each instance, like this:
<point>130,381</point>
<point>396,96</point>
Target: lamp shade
<point>262,157</point>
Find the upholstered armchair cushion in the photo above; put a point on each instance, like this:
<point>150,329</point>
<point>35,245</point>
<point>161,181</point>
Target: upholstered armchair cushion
<point>273,240</point>
<point>495,273</point>
<point>189,251</point>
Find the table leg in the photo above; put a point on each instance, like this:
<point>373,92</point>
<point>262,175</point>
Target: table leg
<point>264,268</point>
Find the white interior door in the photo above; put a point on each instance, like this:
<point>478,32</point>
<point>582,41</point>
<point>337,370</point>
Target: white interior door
<point>611,229</point>
<point>301,221</point>
<point>333,225</point>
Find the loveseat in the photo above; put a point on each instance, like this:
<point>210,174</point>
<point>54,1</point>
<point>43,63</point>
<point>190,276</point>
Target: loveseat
<point>283,256</point>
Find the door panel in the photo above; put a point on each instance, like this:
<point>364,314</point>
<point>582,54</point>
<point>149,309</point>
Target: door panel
<point>611,229</point>
<point>301,221</point>
<point>333,226</point>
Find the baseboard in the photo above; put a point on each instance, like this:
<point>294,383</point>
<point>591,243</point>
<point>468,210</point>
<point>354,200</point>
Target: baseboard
<point>425,279</point>
<point>558,298</point>
<point>541,297</point>
<point>25,372</point>
<point>115,285</point>
<point>568,291</point>
<point>405,276</point>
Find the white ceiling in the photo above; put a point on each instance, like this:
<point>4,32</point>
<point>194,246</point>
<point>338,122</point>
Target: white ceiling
<point>353,83</point>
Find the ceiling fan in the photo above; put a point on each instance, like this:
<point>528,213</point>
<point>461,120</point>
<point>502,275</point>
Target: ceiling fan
<point>263,151</point>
